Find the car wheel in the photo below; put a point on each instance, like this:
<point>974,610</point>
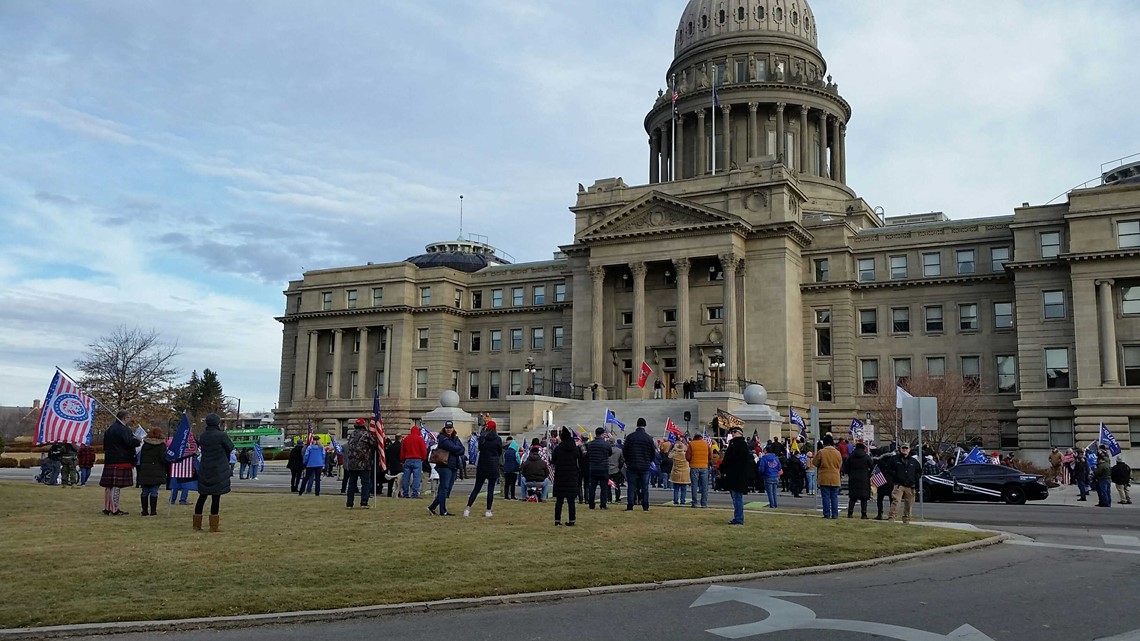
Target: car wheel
<point>1013,495</point>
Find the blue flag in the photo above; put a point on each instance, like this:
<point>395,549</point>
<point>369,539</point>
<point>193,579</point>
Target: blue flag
<point>716,98</point>
<point>612,418</point>
<point>336,446</point>
<point>856,430</point>
<point>260,456</point>
<point>376,407</point>
<point>1106,438</point>
<point>976,455</point>
<point>178,445</point>
<point>796,419</point>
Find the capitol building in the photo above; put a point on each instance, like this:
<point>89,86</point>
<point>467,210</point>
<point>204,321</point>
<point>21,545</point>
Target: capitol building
<point>744,256</point>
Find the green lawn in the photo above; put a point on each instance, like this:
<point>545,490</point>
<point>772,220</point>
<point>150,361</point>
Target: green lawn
<point>67,563</point>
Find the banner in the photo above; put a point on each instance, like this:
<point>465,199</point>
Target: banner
<point>643,375</point>
<point>67,414</point>
<point>183,444</point>
<point>728,421</point>
<point>1106,438</point>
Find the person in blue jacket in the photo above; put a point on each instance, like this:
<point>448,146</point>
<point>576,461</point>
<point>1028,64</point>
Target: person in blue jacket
<point>769,469</point>
<point>314,466</point>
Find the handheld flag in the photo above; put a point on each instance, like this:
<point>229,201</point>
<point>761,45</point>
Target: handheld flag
<point>429,438</point>
<point>67,414</point>
<point>856,430</point>
<point>336,446</point>
<point>900,396</point>
<point>182,445</point>
<point>612,418</point>
<point>1106,438</point>
<point>727,421</point>
<point>878,479</point>
<point>672,432</point>
<point>796,419</point>
<point>643,375</point>
<point>976,456</point>
<point>377,429</point>
<point>261,456</point>
<point>309,440</point>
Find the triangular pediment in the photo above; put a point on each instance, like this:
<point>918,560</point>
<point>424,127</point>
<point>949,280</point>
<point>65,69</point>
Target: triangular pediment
<point>657,213</point>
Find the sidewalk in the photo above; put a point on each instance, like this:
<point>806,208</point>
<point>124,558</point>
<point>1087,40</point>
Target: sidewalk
<point>1068,495</point>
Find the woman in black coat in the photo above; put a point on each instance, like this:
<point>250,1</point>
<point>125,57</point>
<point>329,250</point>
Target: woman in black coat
<point>566,463</point>
<point>487,469</point>
<point>795,473</point>
<point>737,470</point>
<point>214,472</point>
<point>153,470</point>
<point>296,466</point>
<point>858,467</point>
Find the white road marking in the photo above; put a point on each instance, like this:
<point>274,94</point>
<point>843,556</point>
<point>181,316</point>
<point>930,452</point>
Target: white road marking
<point>1116,539</point>
<point>1061,546</point>
<point>1127,636</point>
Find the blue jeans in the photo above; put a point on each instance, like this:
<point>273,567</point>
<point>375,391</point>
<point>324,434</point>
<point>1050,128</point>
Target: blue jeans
<point>84,474</point>
<point>543,488</point>
<point>365,477</point>
<point>700,479</point>
<point>737,506</point>
<point>1104,492</point>
<point>679,493</point>
<point>312,479</point>
<point>242,469</point>
<point>830,496</point>
<point>637,481</point>
<point>413,472</point>
<point>446,481</point>
<point>150,490</point>
<point>811,481</point>
<point>598,486</point>
<point>771,484</point>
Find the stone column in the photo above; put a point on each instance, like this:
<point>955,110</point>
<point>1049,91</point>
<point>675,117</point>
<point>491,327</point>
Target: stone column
<point>842,136</point>
<point>362,365</point>
<point>804,148</point>
<point>823,145</point>
<point>753,132</point>
<point>311,375</point>
<point>338,351</point>
<point>389,375</point>
<point>682,267</point>
<point>726,110</point>
<point>781,152</point>
<point>702,145</point>
<point>1107,316</point>
<point>835,149</point>
<point>639,270</point>
<point>598,278</point>
<point>666,146</point>
<point>679,161</point>
<point>728,263</point>
<point>654,158</point>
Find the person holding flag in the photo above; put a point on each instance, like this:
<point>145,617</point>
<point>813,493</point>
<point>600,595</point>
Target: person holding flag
<point>611,419</point>
<point>358,463</point>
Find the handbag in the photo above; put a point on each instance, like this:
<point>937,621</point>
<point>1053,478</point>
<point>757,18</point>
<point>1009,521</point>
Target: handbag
<point>439,456</point>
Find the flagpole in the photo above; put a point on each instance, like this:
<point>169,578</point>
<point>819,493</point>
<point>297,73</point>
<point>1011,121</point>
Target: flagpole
<point>78,386</point>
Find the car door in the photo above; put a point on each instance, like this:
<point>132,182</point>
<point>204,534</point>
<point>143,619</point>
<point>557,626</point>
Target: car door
<point>964,475</point>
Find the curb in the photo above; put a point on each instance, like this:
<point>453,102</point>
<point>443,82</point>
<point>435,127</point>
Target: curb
<point>373,611</point>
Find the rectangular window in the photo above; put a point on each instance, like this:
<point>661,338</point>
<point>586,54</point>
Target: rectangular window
<point>459,299</point>
<point>999,256</point>
<point>790,148</point>
<point>933,319</point>
<point>422,337</point>
<point>1006,374</point>
<point>1134,431</point>
<point>516,381</point>
<point>931,265</point>
<point>477,300</point>
<point>898,267</point>
<point>1003,315</point>
<point>496,298</point>
<point>900,320</point>
<point>382,344</point>
<point>1130,300</point>
<point>1132,365</point>
<point>968,317</point>
<point>716,313</point>
<point>823,341</point>
<point>560,293</point>
<point>868,322</point>
<point>1129,233</point>
<point>456,339</point>
<point>516,339</point>
<point>1050,244</point>
<point>354,384</point>
<point>972,372</point>
<point>902,371</point>
<point>496,340</point>
<point>822,272</point>
<point>350,299</point>
<point>421,383</point>
<point>473,386</point>
<point>495,384</point>
<point>536,383</point>
<point>1061,432</point>
<point>538,338</point>
<point>742,71</point>
<point>823,391</point>
<point>669,316</point>
<point>326,301</point>
<point>935,366</point>
<point>1009,436</point>
<point>869,374</point>
<point>1054,302</point>
<point>332,344</point>
<point>476,341</point>
<point>1057,368</point>
<point>380,381</point>
<point>966,262</point>
<point>559,337</point>
<point>356,345</point>
<point>866,269</point>
<point>516,296</point>
<point>455,381</point>
<point>328,385</point>
<point>556,381</point>
<point>539,294</point>
<point>627,318</point>
<point>425,296</point>
<point>377,296</point>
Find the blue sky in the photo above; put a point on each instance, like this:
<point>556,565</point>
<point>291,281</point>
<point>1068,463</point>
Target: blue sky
<point>173,165</point>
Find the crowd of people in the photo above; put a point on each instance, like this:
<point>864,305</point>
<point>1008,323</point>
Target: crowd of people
<point>1092,469</point>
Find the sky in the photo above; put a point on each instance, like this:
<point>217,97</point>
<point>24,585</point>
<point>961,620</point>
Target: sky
<point>172,166</point>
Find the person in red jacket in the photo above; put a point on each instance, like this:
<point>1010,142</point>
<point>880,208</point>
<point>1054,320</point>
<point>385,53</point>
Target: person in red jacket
<point>413,453</point>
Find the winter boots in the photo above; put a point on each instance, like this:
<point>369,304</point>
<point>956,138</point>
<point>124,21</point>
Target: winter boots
<point>214,523</point>
<point>198,522</point>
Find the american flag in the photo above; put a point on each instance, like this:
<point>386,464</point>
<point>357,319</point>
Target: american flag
<point>67,414</point>
<point>183,469</point>
<point>877,477</point>
<point>377,429</point>
<point>672,432</point>
<point>309,440</point>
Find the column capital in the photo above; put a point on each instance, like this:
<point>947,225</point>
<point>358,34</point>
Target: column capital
<point>726,109</point>
<point>753,106</point>
<point>338,331</point>
<point>598,273</point>
<point>682,265</point>
<point>639,269</point>
<point>362,330</point>
<point>833,119</point>
<point>729,262</point>
<point>314,332</point>
<point>780,107</point>
<point>654,135</point>
<point>664,128</point>
<point>1105,281</point>
<point>804,111</point>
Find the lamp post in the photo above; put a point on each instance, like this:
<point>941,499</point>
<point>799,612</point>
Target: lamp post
<point>717,367</point>
<point>531,369</point>
<point>237,418</point>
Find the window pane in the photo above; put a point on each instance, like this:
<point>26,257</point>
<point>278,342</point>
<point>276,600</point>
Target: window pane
<point>936,366</point>
<point>1007,374</point>
<point>539,295</point>
<point>1132,365</point>
<point>868,321</point>
<point>902,369</point>
<point>823,341</point>
<point>971,371</point>
<point>1061,432</point>
<point>1050,244</point>
<point>866,269</point>
<point>1054,304</point>
<point>822,316</point>
<point>560,293</point>
<point>517,297</point>
<point>1131,300</point>
<point>1129,233</point>
<point>1057,368</point>
<point>931,265</point>
<point>898,267</point>
<point>870,376</point>
<point>900,320</point>
<point>968,317</point>
<point>934,318</point>
<point>999,256</point>
<point>821,270</point>
<point>824,391</point>
<point>1003,315</point>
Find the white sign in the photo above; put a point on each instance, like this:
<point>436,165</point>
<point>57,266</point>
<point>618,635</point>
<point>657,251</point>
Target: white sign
<point>920,413</point>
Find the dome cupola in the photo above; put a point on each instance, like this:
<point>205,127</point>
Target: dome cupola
<point>709,20</point>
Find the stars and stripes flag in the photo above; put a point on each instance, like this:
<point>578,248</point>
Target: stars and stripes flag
<point>309,440</point>
<point>796,419</point>
<point>183,444</point>
<point>878,479</point>
<point>184,468</point>
<point>676,96</point>
<point>377,429</point>
<point>672,432</point>
<point>429,438</point>
<point>67,415</point>
<point>336,446</point>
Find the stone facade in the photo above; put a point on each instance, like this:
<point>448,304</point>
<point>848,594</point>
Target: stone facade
<point>769,263</point>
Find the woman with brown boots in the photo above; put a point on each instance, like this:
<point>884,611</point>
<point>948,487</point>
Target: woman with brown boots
<point>214,472</point>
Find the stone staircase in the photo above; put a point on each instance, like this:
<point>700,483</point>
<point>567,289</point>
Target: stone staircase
<point>590,414</point>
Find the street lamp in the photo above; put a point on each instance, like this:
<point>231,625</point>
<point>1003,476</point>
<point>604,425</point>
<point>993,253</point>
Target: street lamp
<point>531,369</point>
<point>237,418</point>
<point>717,367</point>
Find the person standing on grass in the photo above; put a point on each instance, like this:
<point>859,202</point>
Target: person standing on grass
<point>488,449</point>
<point>697,454</point>
<point>770,471</point>
<point>450,443</point>
<point>599,451</point>
<point>566,464</point>
<point>617,471</point>
<point>679,475</point>
<point>359,455</point>
<point>119,445</point>
<point>640,452</point>
<point>395,465</point>
<point>152,470</point>
<point>510,469</point>
<point>214,473</point>
<point>86,460</point>
<point>857,467</point>
<point>314,467</point>
<point>828,463</point>
<point>737,469</point>
<point>413,453</point>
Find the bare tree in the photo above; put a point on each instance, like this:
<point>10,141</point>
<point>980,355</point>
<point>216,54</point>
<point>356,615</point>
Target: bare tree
<point>131,369</point>
<point>963,415</point>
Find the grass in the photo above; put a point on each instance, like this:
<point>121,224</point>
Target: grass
<point>67,563</point>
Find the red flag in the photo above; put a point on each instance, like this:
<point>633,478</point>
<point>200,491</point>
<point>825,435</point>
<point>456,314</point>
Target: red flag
<point>643,375</point>
<point>671,428</point>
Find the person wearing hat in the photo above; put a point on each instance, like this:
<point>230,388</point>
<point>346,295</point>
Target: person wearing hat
<point>152,470</point>
<point>598,452</point>
<point>828,462</point>
<point>1122,478</point>
<point>906,474</point>
<point>639,454</point>
<point>214,473</point>
<point>450,443</point>
<point>489,447</point>
<point>1102,478</point>
<point>858,469</point>
<point>359,458</point>
<point>738,472</point>
<point>566,471</point>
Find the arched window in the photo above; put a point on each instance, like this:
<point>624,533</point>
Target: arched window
<point>704,22</point>
<point>778,14</point>
<point>796,18</point>
<point>740,13</point>
<point>690,27</point>
<point>760,13</point>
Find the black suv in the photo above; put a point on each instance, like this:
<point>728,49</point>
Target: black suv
<point>981,482</point>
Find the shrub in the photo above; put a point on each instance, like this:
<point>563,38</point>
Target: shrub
<point>281,456</point>
<point>1029,468</point>
<point>2,444</point>
<point>29,463</point>
<point>9,462</point>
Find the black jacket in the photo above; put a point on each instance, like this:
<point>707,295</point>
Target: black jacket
<point>296,458</point>
<point>534,469</point>
<point>738,468</point>
<point>565,460</point>
<point>490,451</point>
<point>639,450</point>
<point>906,471</point>
<point>1121,474</point>
<point>392,457</point>
<point>599,451</point>
<point>119,445</point>
<point>152,466</point>
<point>214,472</point>
<point>858,468</point>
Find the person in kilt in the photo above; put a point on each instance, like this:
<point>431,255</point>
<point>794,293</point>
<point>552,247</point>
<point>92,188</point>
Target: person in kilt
<point>118,462</point>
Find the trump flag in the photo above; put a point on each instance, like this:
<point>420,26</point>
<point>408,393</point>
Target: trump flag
<point>67,414</point>
<point>1107,439</point>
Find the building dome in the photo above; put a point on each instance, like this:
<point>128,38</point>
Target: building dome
<point>461,255</point>
<point>705,20</point>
